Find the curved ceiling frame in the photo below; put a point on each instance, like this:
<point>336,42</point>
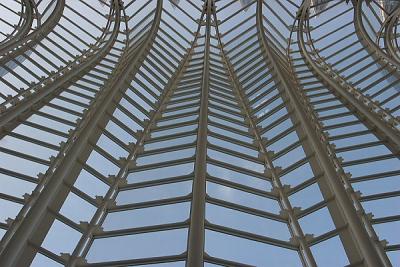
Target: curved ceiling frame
<point>92,125</point>
<point>297,233</point>
<point>72,68</point>
<point>319,146</point>
<point>380,119</point>
<point>119,180</point>
<point>21,104</point>
<point>375,247</point>
<point>70,105</point>
<point>388,61</point>
<point>23,231</point>
<point>43,206</point>
<point>390,27</point>
<point>22,45</point>
<point>27,16</point>
<point>21,20</point>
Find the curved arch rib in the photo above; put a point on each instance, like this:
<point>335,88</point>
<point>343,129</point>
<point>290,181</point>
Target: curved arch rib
<point>22,29</point>
<point>120,178</point>
<point>18,48</point>
<point>371,251</point>
<point>16,249</point>
<point>390,34</point>
<point>21,104</point>
<point>383,58</point>
<point>382,121</point>
<point>360,236</point>
<point>294,224</point>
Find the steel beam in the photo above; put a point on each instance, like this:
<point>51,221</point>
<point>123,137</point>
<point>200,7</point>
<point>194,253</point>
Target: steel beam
<point>196,238</point>
<point>389,27</point>
<point>345,179</point>
<point>263,84</point>
<point>362,241</point>
<point>21,105</point>
<point>18,48</point>
<point>34,221</point>
<point>377,118</point>
<point>319,176</point>
<point>297,232</point>
<point>27,18</point>
<point>120,178</point>
<point>369,44</point>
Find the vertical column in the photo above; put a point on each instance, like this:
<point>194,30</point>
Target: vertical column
<point>197,212</point>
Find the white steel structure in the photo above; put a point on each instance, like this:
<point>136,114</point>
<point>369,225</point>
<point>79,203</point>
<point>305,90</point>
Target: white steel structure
<point>199,133</point>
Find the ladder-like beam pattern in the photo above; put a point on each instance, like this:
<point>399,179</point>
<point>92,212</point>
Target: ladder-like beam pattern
<point>17,48</point>
<point>20,106</point>
<point>195,133</point>
<point>359,233</point>
<point>25,24</point>
<point>17,250</point>
<point>137,149</point>
<point>327,103</point>
<point>378,118</point>
<point>298,235</point>
<point>390,37</point>
<point>369,43</point>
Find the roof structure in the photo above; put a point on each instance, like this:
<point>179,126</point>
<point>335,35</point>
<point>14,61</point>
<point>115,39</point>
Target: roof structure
<point>199,133</point>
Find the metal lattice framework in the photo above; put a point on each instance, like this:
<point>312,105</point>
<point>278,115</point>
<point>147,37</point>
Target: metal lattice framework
<point>200,133</point>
